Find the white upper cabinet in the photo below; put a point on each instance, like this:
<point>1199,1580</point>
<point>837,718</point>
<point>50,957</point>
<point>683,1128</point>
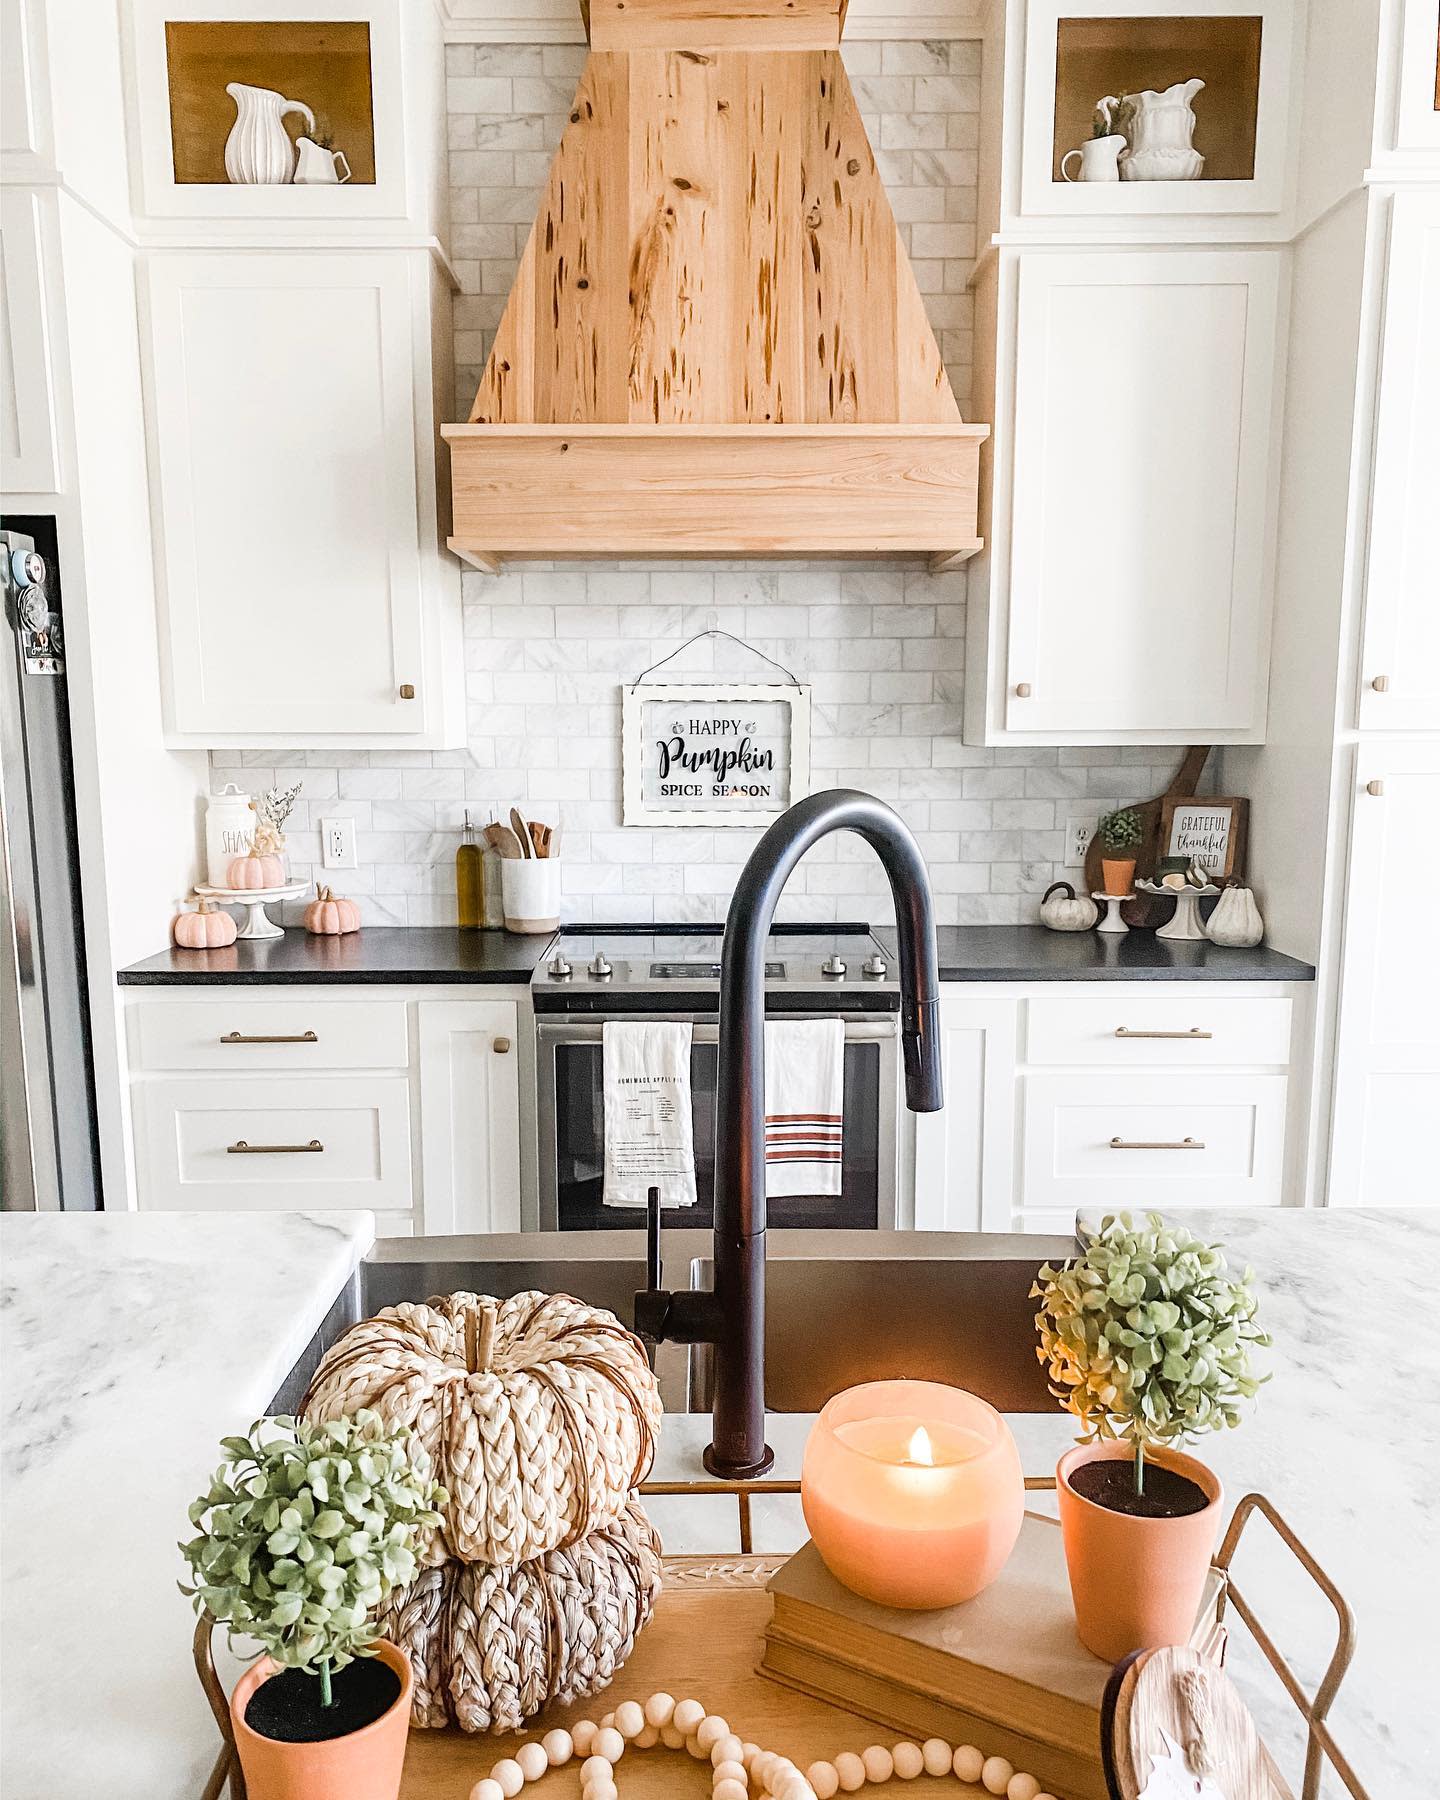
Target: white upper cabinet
<point>1387,1059</point>
<point>1131,563</point>
<point>1400,661</point>
<point>27,390</point>
<point>304,594</point>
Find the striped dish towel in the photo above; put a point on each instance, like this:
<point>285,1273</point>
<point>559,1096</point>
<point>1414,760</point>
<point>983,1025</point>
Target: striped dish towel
<point>804,1106</point>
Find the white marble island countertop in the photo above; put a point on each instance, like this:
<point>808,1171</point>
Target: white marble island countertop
<point>1344,1439</point>
<point>130,1343</point>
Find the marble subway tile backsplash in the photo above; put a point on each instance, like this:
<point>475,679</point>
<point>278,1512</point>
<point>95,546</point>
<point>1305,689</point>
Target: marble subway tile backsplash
<point>548,647</point>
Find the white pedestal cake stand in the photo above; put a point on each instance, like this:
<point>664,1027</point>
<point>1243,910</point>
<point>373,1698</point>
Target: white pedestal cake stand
<point>254,900</point>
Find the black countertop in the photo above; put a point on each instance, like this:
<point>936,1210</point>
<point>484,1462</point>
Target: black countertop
<point>421,954</point>
<point>1031,953</point>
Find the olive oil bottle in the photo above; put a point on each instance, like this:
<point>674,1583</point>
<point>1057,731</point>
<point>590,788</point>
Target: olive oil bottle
<point>469,881</point>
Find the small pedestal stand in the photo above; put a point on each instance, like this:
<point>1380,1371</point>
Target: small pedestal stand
<point>254,900</point>
<point>1184,926</point>
<point>1112,925</point>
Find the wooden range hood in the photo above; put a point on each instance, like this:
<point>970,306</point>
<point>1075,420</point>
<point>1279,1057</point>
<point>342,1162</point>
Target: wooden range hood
<point>715,345</point>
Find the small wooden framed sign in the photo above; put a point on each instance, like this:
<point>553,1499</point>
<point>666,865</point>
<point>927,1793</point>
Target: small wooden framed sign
<point>713,753</point>
<point>1208,831</point>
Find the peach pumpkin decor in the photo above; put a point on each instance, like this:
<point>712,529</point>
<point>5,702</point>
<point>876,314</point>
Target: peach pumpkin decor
<point>329,914</point>
<point>256,870</point>
<point>207,928</point>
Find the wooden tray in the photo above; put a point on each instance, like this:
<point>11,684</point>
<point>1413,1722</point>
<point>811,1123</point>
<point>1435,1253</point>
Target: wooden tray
<point>703,1641</point>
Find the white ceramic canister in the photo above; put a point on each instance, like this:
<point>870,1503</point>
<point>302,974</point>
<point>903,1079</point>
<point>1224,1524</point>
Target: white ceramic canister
<point>530,888</point>
<point>229,827</point>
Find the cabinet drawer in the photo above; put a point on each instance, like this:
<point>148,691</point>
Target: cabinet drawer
<point>1125,1141</point>
<point>268,1142</point>
<point>1151,1029</point>
<point>243,1036</point>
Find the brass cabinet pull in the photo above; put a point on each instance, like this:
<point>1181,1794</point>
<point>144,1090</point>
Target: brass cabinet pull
<point>1124,1031</point>
<point>241,1148</point>
<point>1022,690</point>
<point>501,1046</point>
<point>1381,684</point>
<point>1375,789</point>
<point>244,1037</point>
<point>407,690</point>
<point>1184,1144</point>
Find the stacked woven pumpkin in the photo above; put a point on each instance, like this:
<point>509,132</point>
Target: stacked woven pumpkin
<point>540,1416</point>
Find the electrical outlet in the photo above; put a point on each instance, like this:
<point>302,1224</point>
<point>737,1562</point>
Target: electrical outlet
<point>337,843</point>
<point>1078,833</point>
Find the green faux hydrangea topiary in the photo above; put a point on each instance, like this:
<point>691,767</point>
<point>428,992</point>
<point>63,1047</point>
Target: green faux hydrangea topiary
<point>1147,1336</point>
<point>310,1528</point>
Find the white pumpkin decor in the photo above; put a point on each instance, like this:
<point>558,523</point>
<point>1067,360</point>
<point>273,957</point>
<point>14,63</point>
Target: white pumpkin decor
<point>1062,909</point>
<point>1236,920</point>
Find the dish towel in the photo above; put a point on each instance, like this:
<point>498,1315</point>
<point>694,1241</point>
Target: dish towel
<point>649,1134</point>
<point>804,1106</point>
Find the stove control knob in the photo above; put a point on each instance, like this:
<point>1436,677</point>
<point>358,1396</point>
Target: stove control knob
<point>559,969</point>
<point>876,967</point>
<point>833,966</point>
<point>601,969</point>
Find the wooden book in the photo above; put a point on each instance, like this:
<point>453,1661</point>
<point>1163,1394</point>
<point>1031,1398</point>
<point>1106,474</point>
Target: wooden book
<point>1004,1671</point>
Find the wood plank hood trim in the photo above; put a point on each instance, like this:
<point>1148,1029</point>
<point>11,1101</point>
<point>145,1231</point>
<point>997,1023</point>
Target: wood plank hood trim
<point>715,340</point>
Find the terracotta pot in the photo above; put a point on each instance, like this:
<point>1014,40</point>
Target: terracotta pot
<point>1136,1583</point>
<point>364,1765</point>
<point>1117,874</point>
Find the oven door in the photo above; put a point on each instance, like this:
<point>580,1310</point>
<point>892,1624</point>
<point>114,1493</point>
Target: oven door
<point>571,1119</point>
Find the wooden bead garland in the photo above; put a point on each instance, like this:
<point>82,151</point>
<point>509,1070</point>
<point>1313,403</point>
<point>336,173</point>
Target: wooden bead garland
<point>740,1769</point>
<point>539,1414</point>
<point>489,1648</point>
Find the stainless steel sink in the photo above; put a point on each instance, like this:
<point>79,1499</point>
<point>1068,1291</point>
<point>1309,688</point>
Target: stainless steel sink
<point>841,1306</point>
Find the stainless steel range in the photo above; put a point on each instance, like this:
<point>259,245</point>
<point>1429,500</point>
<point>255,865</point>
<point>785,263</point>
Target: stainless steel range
<point>591,974</point>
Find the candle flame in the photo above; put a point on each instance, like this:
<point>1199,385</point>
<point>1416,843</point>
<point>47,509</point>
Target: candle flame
<point>921,1450</point>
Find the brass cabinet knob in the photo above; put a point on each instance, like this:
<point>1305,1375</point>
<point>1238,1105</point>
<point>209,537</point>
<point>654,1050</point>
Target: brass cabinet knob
<point>1375,789</point>
<point>407,690</point>
<point>1022,690</point>
<point>1381,684</point>
<point>501,1046</point>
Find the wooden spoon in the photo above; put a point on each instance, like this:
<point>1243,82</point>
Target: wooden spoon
<point>540,837</point>
<point>502,839</point>
<point>522,832</point>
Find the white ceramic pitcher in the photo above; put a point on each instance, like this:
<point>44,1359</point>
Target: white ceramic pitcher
<point>1159,128</point>
<point>1099,159</point>
<point>258,149</point>
<point>319,167</point>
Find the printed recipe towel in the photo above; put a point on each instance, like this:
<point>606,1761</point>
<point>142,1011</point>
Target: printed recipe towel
<point>804,1106</point>
<point>649,1136</point>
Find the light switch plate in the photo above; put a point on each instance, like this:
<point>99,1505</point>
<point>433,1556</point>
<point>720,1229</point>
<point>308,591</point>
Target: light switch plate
<point>337,843</point>
<point>1078,833</point>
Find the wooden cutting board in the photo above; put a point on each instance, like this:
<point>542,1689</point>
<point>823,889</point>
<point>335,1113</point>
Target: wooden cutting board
<point>705,1642</point>
<point>1145,910</point>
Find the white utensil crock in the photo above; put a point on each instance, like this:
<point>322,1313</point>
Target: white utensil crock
<point>530,889</point>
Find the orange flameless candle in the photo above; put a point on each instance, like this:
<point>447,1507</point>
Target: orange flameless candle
<point>912,1492</point>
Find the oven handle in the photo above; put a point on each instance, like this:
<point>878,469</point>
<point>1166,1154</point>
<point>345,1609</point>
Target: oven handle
<point>857,1031</point>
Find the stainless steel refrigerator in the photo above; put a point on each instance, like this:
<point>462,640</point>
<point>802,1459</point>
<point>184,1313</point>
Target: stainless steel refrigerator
<point>49,1151</point>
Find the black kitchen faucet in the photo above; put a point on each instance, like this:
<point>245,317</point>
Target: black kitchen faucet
<point>732,1315</point>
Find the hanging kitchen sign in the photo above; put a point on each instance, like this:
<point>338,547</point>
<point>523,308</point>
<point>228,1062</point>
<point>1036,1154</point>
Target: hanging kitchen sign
<point>714,752</point>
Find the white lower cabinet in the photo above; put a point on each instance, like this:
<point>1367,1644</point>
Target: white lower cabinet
<point>965,1155</point>
<point>1387,1059</point>
<point>470,1115</point>
<point>317,1099</point>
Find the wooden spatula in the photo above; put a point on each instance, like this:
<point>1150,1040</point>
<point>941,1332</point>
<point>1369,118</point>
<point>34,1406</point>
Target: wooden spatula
<point>503,840</point>
<point>522,832</point>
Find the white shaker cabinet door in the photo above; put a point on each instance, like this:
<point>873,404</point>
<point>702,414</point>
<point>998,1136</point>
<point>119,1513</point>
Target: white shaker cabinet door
<point>965,1154</point>
<point>1387,1060</point>
<point>284,429</point>
<point>1400,664</point>
<point>27,411</point>
<point>1141,538</point>
<point>470,1114</point>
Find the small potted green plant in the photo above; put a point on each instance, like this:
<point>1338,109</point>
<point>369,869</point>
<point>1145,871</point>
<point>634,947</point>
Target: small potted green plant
<point>1147,1338</point>
<point>1120,835</point>
<point>304,1532</point>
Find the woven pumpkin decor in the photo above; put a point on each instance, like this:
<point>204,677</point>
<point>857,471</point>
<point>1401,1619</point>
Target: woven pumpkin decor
<point>490,1647</point>
<point>539,1414</point>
